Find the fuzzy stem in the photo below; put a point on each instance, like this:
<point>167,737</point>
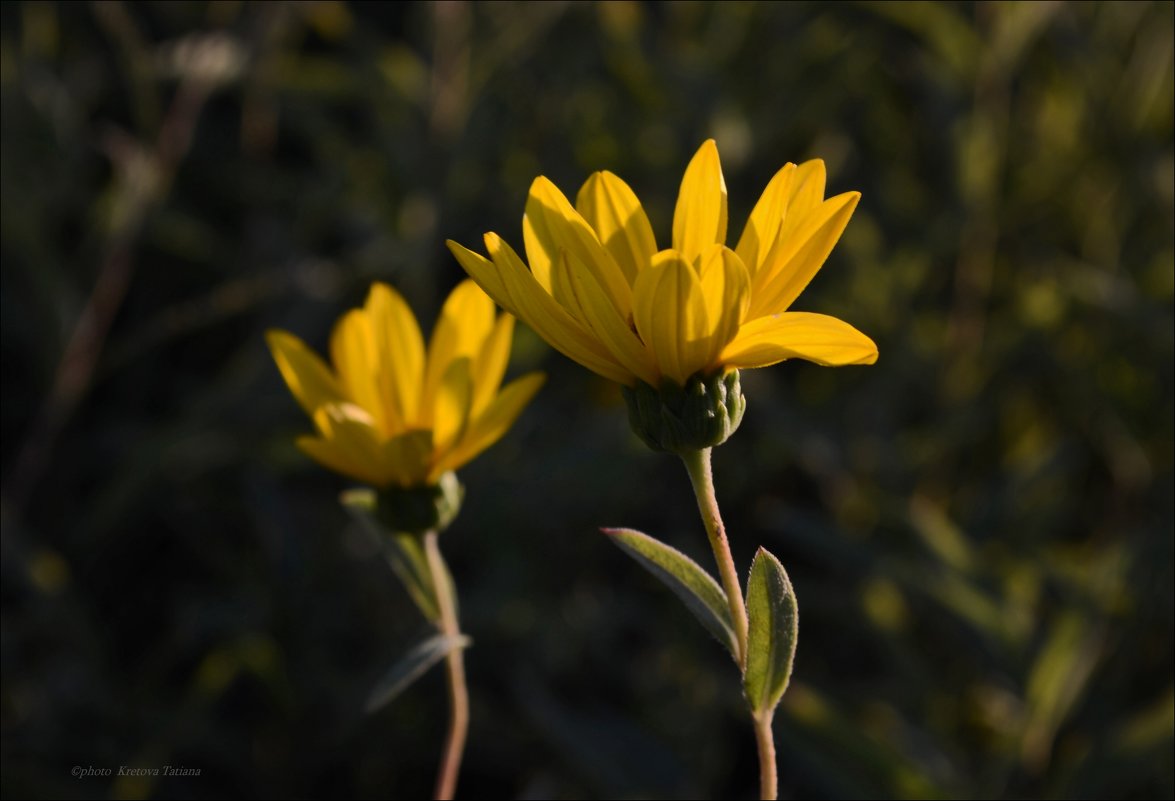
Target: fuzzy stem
<point>697,464</point>
<point>768,781</point>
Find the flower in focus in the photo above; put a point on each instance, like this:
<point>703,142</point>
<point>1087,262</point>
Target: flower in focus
<point>389,413</point>
<point>599,290</point>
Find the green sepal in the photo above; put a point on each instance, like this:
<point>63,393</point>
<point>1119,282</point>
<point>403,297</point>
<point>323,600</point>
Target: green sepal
<point>693,585</point>
<point>771,638</point>
<point>412,666</point>
<point>416,510</point>
<point>700,415</point>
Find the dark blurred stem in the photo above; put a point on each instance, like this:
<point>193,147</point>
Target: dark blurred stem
<point>454,667</point>
<point>84,345</point>
<point>697,464</point>
<point>768,781</point>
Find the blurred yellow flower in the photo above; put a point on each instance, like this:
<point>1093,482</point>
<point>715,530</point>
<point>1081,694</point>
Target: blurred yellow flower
<point>388,414</point>
<point>599,291</point>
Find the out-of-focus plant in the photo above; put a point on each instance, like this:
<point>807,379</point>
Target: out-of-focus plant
<point>402,420</point>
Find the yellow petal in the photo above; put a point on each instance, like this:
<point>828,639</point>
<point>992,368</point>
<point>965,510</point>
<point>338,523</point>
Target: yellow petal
<point>453,399</point>
<point>331,456</point>
<point>551,225</point>
<point>483,271</point>
<point>308,378</point>
<point>466,320</point>
<point>563,291</point>
<point>700,217</point>
<point>670,316</point>
<point>541,251</point>
<point>765,219</point>
<point>351,431</point>
<point>551,321</point>
<point>401,354</point>
<point>490,365</point>
<point>802,205</point>
<point>799,335</point>
<point>357,361</point>
<point>595,308</point>
<point>409,455</point>
<point>493,423</point>
<point>613,210</point>
<point>807,188</point>
<point>726,290</point>
<point>797,256</point>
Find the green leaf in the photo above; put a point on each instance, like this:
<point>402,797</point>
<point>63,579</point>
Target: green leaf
<point>771,638</point>
<point>403,551</point>
<point>406,555</point>
<point>414,665</point>
<point>685,577</point>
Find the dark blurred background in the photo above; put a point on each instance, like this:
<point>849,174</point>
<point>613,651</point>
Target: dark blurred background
<point>979,527</point>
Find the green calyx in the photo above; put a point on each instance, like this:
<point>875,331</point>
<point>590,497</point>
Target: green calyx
<point>680,420</point>
<point>417,510</point>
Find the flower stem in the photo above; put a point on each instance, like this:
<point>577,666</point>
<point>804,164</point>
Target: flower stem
<point>697,463</point>
<point>768,781</point>
<point>455,668</point>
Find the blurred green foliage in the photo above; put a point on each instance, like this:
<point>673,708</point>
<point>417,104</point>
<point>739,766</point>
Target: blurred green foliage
<point>979,527</point>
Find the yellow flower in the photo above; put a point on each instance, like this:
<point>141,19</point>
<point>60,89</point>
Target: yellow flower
<point>390,415</point>
<point>599,291</point>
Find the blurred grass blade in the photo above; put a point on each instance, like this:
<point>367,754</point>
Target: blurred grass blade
<point>1059,677</point>
<point>414,665</point>
<point>685,577</point>
<point>403,551</point>
<point>771,639</point>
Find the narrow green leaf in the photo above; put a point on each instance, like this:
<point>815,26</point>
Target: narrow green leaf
<point>685,577</point>
<point>403,551</point>
<point>406,555</point>
<point>771,640</point>
<point>359,501</point>
<point>414,665</point>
